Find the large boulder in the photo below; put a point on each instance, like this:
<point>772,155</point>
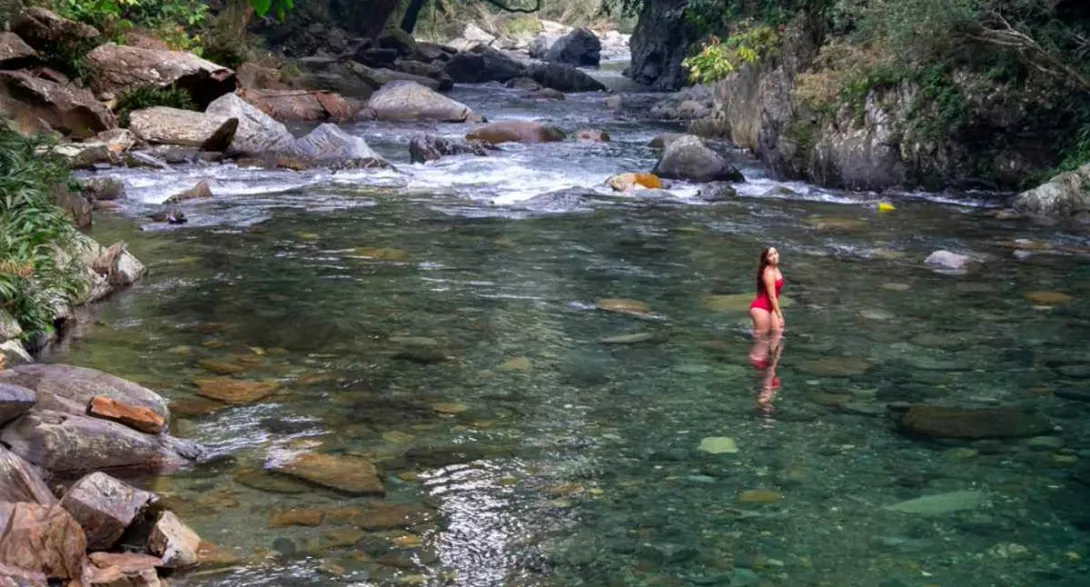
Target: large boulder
<point>257,132</point>
<point>69,444</point>
<point>69,389</point>
<point>115,69</point>
<point>423,148</point>
<point>687,158</point>
<point>21,481</point>
<point>516,131</point>
<point>42,539</point>
<point>37,105</point>
<point>104,507</point>
<point>541,44</point>
<point>1066,194</point>
<point>408,101</point>
<point>162,125</point>
<point>46,31</point>
<point>564,78</point>
<point>354,79</point>
<point>483,64</point>
<point>14,52</point>
<point>579,47</point>
<point>331,146</point>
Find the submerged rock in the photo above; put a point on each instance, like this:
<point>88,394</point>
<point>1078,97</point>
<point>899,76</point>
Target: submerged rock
<point>104,508</point>
<point>564,78</point>
<point>483,64</point>
<point>949,261</point>
<point>972,423</point>
<point>718,445</point>
<point>687,158</point>
<point>516,131</point>
<point>344,474</point>
<point>201,191</point>
<point>116,569</point>
<point>235,391</point>
<point>943,503</point>
<point>423,148</point>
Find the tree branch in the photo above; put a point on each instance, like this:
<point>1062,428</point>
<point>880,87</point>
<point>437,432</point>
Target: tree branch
<point>999,32</point>
<point>502,6</point>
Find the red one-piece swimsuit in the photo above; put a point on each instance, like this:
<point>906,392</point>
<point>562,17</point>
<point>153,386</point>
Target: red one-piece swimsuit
<point>763,301</point>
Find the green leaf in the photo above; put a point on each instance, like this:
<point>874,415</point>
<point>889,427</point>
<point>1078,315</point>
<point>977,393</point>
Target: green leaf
<point>261,7</point>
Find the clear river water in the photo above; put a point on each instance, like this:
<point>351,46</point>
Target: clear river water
<point>432,321</point>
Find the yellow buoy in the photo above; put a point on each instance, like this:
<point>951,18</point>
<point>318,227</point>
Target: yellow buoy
<point>886,207</point>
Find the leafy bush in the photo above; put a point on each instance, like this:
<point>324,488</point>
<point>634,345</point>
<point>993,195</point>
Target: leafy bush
<point>150,96</point>
<point>718,59</point>
<point>34,275</point>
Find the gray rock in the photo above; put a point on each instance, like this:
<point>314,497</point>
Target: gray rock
<point>943,503</point>
<point>402,101</point>
<point>717,192</point>
<point>687,158</point>
<point>329,145</point>
<point>99,189</point>
<point>523,83</point>
<point>70,444</point>
<point>115,69</point>
<point>580,47</point>
<point>38,104</point>
<point>257,132</point>
<point>541,44</point>
<point>21,481</point>
<point>175,543</point>
<point>69,389</point>
<point>14,354</point>
<point>45,30</point>
<point>14,401</point>
<point>972,423</point>
<point>9,326</point>
<point>424,148</point>
<point>104,508</point>
<point>14,51</point>
<point>564,78</point>
<point>1065,195</point>
<point>483,64</point>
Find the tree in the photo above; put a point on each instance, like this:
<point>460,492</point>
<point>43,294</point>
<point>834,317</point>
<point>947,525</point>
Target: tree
<point>412,12</point>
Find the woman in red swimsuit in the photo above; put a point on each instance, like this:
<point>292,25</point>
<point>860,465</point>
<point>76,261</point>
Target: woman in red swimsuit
<point>768,324</point>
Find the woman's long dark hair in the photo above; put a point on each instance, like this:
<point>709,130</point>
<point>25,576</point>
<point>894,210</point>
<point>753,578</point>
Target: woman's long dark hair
<point>761,265</point>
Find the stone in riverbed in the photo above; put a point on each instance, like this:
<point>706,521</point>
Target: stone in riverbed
<point>423,148</point>
<point>943,503</point>
<point>972,423</point>
<point>344,474</point>
<point>623,306</point>
<point>14,401</point>
<point>41,539</point>
<point>403,101</point>
<point>516,131</point>
<point>69,389</point>
<point>717,445</point>
<point>1048,298</point>
<point>633,338</point>
<point>66,443</point>
<point>835,367</point>
<point>515,364</point>
<point>104,508</point>
<point>20,481</point>
<point>176,544</point>
<point>758,497</point>
<point>134,417</point>
<point>271,483</point>
<point>688,159</point>
<point>329,145</point>
<point>116,569</point>
<point>296,517</point>
<point>201,191</point>
<point>634,181</point>
<point>235,391</point>
<point>948,261</point>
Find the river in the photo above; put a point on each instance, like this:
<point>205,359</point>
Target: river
<point>429,321</point>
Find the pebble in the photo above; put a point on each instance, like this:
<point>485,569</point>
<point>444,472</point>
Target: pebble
<point>517,364</point>
<point>1046,442</point>
<point>449,409</point>
<point>758,496</point>
<point>718,445</point>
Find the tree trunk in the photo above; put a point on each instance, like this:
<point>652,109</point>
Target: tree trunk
<point>408,22</point>
<point>376,15</point>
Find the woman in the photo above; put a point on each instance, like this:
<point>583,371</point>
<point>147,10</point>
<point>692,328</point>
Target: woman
<point>765,311</point>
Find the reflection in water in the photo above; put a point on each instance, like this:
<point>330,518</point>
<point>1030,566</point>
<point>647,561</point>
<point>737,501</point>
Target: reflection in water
<point>765,357</point>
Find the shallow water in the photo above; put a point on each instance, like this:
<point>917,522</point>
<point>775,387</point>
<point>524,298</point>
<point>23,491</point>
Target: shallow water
<point>427,321</point>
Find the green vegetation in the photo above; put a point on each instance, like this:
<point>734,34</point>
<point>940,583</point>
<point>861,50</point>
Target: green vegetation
<point>35,275</point>
<point>748,43</point>
<point>150,96</point>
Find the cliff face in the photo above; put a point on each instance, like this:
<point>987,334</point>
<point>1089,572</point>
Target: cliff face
<point>898,136</point>
<point>659,44</point>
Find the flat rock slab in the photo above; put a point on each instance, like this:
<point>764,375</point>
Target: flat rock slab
<point>104,508</point>
<point>972,423</point>
<point>343,474</point>
<point>943,503</point>
<point>135,417</point>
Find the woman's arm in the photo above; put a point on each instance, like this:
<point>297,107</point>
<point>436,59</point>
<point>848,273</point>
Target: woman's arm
<point>770,287</point>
